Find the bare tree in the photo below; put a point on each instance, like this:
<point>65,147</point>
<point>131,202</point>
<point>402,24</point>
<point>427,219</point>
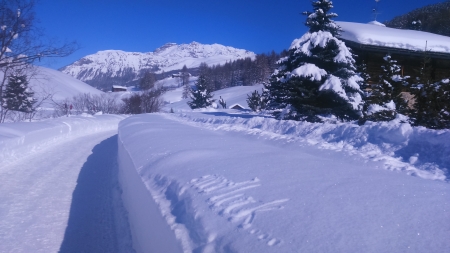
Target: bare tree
<point>22,42</point>
<point>147,81</point>
<point>185,82</point>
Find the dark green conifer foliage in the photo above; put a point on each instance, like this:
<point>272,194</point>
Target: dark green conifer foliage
<point>387,93</point>
<point>432,99</point>
<point>313,81</point>
<point>201,96</point>
<point>17,95</point>
<point>321,18</point>
<point>256,101</point>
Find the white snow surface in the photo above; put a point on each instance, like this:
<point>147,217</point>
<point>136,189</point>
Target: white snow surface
<point>370,34</point>
<point>247,183</point>
<point>61,85</point>
<point>232,96</point>
<point>59,190</point>
<point>20,139</point>
<point>309,70</point>
<point>310,40</point>
<point>166,58</point>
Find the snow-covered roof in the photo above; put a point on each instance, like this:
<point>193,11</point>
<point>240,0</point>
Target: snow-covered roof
<point>378,35</point>
<point>119,87</point>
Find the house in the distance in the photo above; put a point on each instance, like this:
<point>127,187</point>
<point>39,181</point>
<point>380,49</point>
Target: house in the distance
<point>117,88</point>
<point>372,41</point>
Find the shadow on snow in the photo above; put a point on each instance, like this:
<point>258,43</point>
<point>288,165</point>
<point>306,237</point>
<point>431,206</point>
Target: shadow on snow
<point>92,223</point>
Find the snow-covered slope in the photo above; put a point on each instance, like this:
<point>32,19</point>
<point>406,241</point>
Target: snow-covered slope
<point>61,85</point>
<point>232,96</point>
<point>376,35</point>
<point>127,66</point>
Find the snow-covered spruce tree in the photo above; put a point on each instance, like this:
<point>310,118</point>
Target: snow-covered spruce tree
<point>201,96</point>
<point>385,99</point>
<point>318,76</point>
<point>17,95</point>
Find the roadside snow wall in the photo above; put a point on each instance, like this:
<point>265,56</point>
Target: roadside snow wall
<point>418,151</point>
<point>149,229</point>
<point>22,138</point>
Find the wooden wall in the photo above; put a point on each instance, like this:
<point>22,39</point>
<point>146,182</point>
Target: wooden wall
<point>408,61</point>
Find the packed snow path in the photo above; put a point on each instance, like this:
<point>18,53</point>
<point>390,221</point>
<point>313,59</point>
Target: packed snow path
<point>64,198</point>
<point>230,191</point>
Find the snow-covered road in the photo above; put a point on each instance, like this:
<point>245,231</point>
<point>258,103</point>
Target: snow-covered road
<point>64,198</point>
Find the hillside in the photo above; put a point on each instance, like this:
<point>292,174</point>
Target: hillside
<point>61,85</point>
<point>109,67</point>
<point>434,18</point>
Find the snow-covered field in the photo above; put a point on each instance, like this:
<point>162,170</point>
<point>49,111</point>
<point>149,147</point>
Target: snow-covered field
<point>239,183</point>
<point>217,180</point>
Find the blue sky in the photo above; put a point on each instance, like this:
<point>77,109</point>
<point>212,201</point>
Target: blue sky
<point>144,25</point>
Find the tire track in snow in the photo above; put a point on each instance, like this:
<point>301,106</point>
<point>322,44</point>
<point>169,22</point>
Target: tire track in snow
<point>230,201</point>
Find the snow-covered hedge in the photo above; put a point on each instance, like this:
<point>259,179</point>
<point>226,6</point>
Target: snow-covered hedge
<point>22,138</point>
<point>417,150</point>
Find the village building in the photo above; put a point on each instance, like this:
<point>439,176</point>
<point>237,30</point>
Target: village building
<point>371,42</point>
<point>237,107</point>
<point>117,88</point>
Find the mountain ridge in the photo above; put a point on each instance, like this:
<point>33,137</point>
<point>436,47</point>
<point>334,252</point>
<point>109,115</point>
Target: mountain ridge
<point>110,67</point>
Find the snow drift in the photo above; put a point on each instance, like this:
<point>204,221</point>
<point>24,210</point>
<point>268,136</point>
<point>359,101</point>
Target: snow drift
<point>229,181</point>
<point>417,150</point>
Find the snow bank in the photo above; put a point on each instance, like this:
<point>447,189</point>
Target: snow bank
<point>418,151</point>
<point>149,230</point>
<point>220,189</point>
<point>22,138</point>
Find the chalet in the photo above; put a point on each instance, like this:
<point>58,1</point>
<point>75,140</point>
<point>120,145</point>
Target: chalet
<point>372,41</point>
<point>237,107</point>
<point>117,88</point>
<point>180,74</point>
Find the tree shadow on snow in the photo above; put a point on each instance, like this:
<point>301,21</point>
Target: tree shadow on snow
<point>91,226</point>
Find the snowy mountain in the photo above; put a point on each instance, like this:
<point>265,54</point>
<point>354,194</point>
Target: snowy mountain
<point>109,67</point>
<point>61,85</point>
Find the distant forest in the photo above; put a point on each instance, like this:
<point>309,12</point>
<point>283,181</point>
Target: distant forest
<point>240,72</point>
<point>434,18</point>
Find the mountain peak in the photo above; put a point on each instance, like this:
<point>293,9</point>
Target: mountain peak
<point>109,67</point>
<point>164,47</point>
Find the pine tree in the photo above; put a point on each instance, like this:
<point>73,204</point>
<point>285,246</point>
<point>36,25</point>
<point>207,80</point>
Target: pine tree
<point>17,95</point>
<point>201,96</point>
<point>385,100</point>
<point>147,81</point>
<point>256,101</point>
<point>318,76</point>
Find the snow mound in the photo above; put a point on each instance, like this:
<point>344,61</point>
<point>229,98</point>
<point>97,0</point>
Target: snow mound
<point>394,142</point>
<point>376,23</point>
